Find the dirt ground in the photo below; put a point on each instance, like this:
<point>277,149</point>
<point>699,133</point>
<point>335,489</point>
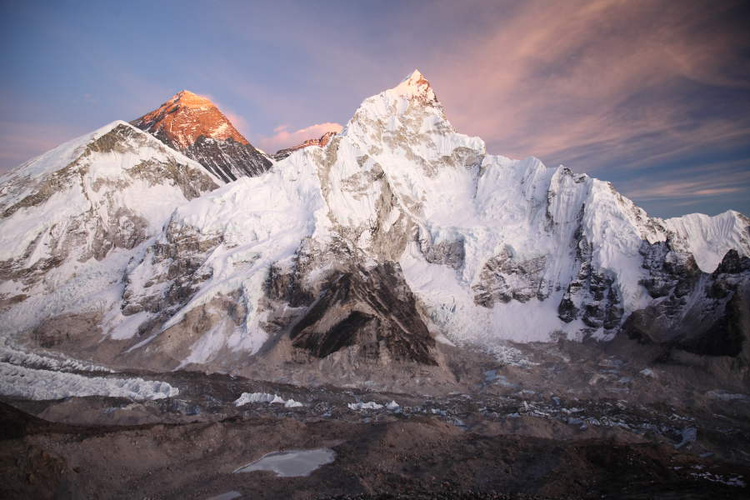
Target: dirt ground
<point>570,421</point>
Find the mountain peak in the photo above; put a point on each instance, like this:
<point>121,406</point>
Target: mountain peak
<point>194,125</point>
<point>192,100</point>
<point>186,117</point>
<point>415,78</point>
<point>322,141</point>
<point>415,84</point>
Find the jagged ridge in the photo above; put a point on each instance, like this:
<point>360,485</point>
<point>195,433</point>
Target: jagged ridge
<point>321,142</point>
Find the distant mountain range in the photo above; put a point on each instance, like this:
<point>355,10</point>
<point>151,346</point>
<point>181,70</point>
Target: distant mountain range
<point>171,242</point>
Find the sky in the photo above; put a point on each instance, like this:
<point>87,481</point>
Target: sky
<point>651,95</point>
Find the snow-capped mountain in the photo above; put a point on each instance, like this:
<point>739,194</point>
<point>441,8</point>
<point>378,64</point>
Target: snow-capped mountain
<point>72,218</point>
<point>398,235</point>
<point>320,142</point>
<point>193,125</point>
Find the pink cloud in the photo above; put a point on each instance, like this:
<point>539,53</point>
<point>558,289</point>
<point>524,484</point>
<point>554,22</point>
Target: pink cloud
<point>238,121</point>
<point>24,141</point>
<point>569,79</point>
<point>284,138</point>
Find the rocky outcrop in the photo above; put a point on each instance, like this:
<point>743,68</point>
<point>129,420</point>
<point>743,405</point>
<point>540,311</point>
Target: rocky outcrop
<point>228,159</point>
<point>593,296</point>
<point>322,141</point>
<point>171,272</point>
<point>701,313</point>
<point>369,310</point>
<point>669,272</point>
<point>504,278</point>
<point>447,252</point>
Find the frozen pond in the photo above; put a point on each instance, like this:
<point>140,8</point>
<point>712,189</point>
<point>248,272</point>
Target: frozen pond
<point>292,463</point>
<point>229,495</point>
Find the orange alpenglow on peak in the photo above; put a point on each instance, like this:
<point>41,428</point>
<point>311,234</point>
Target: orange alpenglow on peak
<point>192,100</point>
<point>415,80</point>
<point>415,85</point>
<point>186,117</point>
<point>193,125</point>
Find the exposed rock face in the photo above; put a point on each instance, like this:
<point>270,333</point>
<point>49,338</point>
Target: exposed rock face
<point>699,312</point>
<point>504,278</point>
<point>448,252</point>
<point>370,309</point>
<point>170,273</point>
<point>591,296</point>
<point>320,142</point>
<point>193,125</point>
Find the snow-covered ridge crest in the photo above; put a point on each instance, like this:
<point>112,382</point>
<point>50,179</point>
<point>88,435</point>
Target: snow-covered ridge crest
<point>56,158</point>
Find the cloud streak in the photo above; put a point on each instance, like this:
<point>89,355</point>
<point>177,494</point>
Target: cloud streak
<point>711,184</point>
<point>576,81</point>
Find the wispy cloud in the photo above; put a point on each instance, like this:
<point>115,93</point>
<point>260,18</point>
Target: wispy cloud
<point>598,82</point>
<point>684,189</point>
<point>692,184</point>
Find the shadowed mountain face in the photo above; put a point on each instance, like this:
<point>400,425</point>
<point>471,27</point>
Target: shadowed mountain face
<point>193,125</point>
<point>372,309</point>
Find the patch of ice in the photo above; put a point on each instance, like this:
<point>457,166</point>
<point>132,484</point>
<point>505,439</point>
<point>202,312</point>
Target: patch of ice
<point>689,435</point>
<point>33,360</point>
<point>264,397</point>
<point>254,397</point>
<point>370,405</point>
<point>229,495</point>
<point>734,480</point>
<point>36,384</point>
<point>292,463</point>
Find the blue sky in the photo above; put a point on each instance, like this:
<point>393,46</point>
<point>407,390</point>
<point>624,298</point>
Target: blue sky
<point>653,95</point>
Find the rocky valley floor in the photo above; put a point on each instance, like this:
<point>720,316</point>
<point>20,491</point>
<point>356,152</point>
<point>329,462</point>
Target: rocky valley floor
<point>560,421</point>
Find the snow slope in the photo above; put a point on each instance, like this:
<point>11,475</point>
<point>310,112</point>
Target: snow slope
<point>710,238</point>
<point>71,219</point>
